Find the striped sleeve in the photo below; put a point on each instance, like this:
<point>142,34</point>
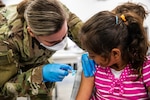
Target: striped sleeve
<point>146,72</point>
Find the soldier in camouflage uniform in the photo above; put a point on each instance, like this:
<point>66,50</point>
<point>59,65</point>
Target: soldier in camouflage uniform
<point>30,33</point>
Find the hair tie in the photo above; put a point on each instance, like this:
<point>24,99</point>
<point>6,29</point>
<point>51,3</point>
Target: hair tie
<point>116,19</point>
<point>123,17</point>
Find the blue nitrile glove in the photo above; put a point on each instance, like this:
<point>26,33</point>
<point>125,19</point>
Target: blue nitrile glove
<point>88,66</point>
<point>55,72</point>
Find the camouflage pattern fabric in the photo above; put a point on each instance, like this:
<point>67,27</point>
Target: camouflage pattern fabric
<point>22,57</point>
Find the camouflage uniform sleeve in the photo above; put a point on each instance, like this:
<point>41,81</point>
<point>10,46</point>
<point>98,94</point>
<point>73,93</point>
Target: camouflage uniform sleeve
<point>74,26</point>
<point>24,82</point>
<point>11,49</point>
<point>29,82</point>
<point>8,65</point>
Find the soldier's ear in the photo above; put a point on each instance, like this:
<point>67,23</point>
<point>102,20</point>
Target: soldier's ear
<point>30,32</point>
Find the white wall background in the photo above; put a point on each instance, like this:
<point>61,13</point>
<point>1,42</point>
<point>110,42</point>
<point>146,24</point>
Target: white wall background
<point>86,8</point>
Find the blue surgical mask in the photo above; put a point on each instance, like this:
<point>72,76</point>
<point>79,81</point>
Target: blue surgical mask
<point>58,46</point>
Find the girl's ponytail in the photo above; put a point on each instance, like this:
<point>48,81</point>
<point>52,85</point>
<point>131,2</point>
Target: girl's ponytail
<point>137,40</point>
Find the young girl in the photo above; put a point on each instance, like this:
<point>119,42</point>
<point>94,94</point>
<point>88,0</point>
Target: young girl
<point>118,45</point>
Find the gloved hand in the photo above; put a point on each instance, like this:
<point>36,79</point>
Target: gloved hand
<point>88,66</point>
<point>55,72</point>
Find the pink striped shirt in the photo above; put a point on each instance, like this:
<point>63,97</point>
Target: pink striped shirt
<point>107,87</point>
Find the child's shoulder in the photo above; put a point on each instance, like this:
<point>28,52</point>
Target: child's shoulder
<point>147,63</point>
<point>145,71</point>
<point>147,60</point>
<point>148,57</point>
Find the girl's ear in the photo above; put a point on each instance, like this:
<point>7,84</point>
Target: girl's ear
<point>30,32</point>
<point>116,53</point>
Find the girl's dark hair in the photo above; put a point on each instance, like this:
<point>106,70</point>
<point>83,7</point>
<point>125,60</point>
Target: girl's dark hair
<point>105,31</point>
<point>131,7</point>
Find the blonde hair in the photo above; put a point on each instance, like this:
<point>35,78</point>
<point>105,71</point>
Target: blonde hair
<point>45,17</point>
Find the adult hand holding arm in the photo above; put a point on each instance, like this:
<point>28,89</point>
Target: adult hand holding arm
<point>88,66</point>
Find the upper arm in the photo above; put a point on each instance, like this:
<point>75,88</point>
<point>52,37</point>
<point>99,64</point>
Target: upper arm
<point>8,65</point>
<point>86,88</point>
<point>74,26</point>
<point>146,74</point>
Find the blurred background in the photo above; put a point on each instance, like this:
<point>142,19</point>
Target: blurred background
<point>84,9</point>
